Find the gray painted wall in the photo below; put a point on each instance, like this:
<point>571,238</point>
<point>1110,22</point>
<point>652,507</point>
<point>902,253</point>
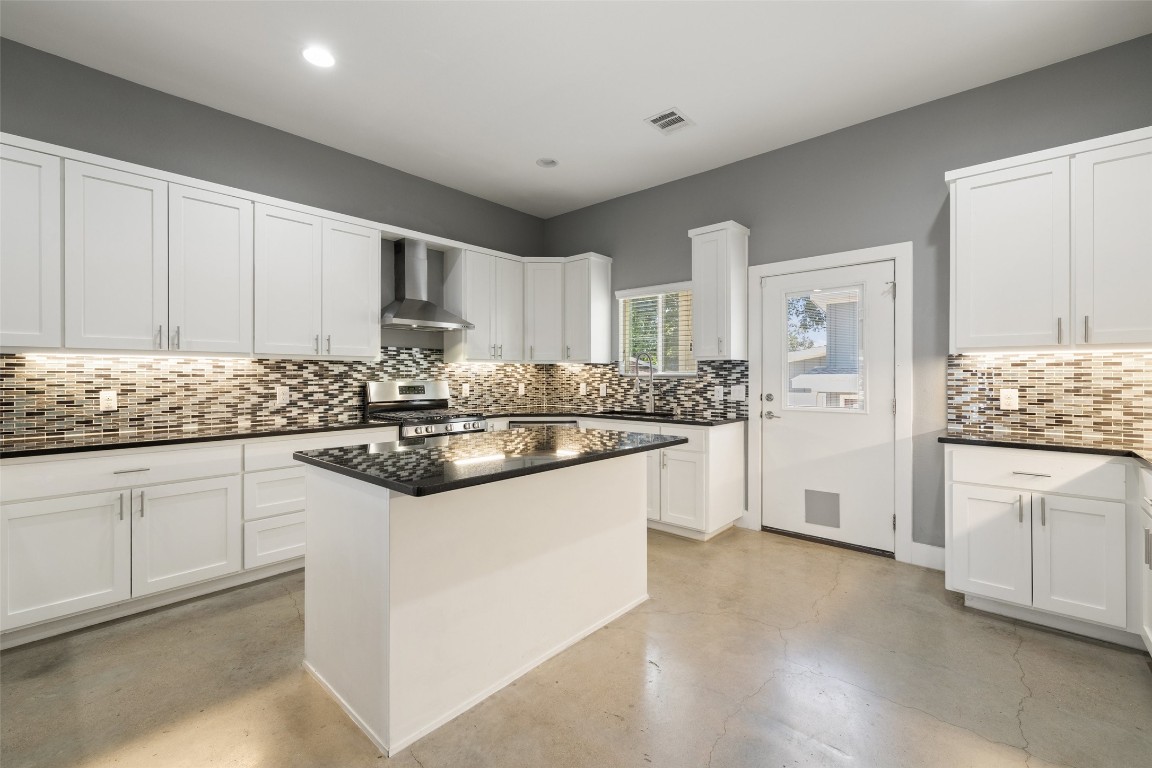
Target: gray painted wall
<point>870,184</point>
<point>52,99</point>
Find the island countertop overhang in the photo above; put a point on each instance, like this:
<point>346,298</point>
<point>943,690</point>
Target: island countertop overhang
<point>426,466</point>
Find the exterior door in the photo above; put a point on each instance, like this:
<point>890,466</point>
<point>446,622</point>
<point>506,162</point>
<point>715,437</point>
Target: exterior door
<point>287,297</point>
<point>1078,558</point>
<point>544,311</point>
<point>1012,257</point>
<point>115,259</point>
<point>991,552</point>
<point>185,532</point>
<point>1112,222</point>
<point>351,290</point>
<point>209,271</point>
<point>29,249</point>
<point>63,555</point>
<point>829,389</point>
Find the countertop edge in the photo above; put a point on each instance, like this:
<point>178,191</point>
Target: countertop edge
<point>455,485</point>
<point>993,442</point>
<point>686,422</point>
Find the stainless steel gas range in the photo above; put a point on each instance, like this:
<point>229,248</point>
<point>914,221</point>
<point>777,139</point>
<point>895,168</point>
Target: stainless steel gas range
<point>421,408</point>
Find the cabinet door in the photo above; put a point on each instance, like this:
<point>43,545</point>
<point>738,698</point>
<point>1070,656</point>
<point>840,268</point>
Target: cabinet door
<point>655,477</point>
<point>1146,576</point>
<point>287,298</point>
<point>577,309</point>
<point>209,271</point>
<point>509,310</point>
<point>991,540</point>
<point>682,489</point>
<point>185,532</point>
<point>1078,558</point>
<point>479,302</point>
<point>63,555</point>
<point>115,259</point>
<point>1012,258</point>
<point>273,539</point>
<point>351,290</point>
<point>29,249</point>
<point>544,311</point>
<point>274,492</point>
<point>1112,222</point>
<point>709,297</point>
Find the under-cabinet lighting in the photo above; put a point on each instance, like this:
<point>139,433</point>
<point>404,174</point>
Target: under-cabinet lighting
<point>563,452</point>
<point>320,57</point>
<point>480,459</point>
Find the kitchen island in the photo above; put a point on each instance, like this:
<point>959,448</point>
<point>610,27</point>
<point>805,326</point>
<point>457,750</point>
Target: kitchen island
<point>441,569</point>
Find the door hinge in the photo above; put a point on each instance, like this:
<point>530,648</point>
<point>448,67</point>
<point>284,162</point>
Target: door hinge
<point>893,521</point>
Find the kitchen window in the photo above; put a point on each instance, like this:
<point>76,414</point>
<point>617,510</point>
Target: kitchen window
<point>656,330</point>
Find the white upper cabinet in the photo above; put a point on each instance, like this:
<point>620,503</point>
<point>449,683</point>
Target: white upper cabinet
<point>1011,252</point>
<point>487,291</point>
<point>351,287</point>
<point>720,292</point>
<point>1051,250</point>
<point>30,224</point>
<point>209,271</point>
<point>588,309</point>
<point>288,313</point>
<point>544,288</point>
<point>1112,200</point>
<point>115,259</point>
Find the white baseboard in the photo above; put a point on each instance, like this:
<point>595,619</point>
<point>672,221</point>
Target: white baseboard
<point>927,556</point>
<point>1062,623</point>
<point>372,735</point>
<point>408,740</point>
<point>52,627</point>
<point>687,533</point>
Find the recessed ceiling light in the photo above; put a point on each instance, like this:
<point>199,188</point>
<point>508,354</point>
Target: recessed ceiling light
<point>547,162</point>
<point>321,57</point>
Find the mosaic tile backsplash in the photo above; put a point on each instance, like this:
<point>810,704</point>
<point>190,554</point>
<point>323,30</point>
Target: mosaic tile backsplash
<point>1098,396</point>
<point>44,396</point>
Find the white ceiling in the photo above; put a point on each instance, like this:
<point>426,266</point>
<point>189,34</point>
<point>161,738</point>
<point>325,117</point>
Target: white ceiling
<point>470,94</point>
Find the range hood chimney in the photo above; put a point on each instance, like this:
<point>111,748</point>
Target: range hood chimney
<point>412,311</point>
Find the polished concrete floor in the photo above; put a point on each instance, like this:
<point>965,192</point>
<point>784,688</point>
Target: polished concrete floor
<point>755,650</point>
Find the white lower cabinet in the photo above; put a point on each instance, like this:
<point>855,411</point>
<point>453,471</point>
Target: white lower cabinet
<point>185,532</point>
<point>1146,550</point>
<point>273,539</point>
<point>64,555</point>
<point>1057,553</point>
<point>682,485</point>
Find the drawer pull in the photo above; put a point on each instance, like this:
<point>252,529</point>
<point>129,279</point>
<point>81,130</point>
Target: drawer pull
<point>127,471</point>
<point>1030,474</point>
<point>1043,512</point>
<point>1021,508</point>
<point>121,506</point>
<point>141,503</point>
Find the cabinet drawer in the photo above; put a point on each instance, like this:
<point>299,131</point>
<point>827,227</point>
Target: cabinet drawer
<point>1074,474</point>
<point>124,470</point>
<point>697,437</point>
<point>277,453</point>
<point>273,539</point>
<point>273,492</point>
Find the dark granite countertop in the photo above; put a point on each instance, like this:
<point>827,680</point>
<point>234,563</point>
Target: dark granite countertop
<point>107,441</point>
<point>423,466</point>
<point>1101,446</point>
<point>561,412</point>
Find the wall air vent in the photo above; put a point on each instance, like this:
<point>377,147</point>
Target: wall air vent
<point>668,121</point>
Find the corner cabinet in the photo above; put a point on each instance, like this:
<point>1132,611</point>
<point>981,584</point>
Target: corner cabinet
<point>544,286</point>
<point>1044,531</point>
<point>1050,250</point>
<point>720,292</point>
<point>30,255</point>
<point>317,286</point>
<point>587,309</point>
<point>487,291</point>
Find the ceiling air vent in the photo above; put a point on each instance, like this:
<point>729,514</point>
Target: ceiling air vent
<point>668,121</point>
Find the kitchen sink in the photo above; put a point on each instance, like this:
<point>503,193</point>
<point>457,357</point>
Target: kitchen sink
<point>641,414</point>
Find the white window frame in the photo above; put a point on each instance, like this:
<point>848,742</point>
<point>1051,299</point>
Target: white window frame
<point>652,290</point>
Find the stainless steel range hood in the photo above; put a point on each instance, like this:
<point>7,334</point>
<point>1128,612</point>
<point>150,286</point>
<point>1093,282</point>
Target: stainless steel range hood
<point>412,311</point>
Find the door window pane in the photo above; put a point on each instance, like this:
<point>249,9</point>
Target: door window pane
<point>824,353</point>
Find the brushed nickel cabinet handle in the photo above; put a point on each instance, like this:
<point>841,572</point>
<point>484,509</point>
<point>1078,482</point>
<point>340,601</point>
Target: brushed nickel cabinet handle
<point>1021,508</point>
<point>160,336</point>
<point>501,355</point>
<point>121,505</point>
<point>1085,329</point>
<point>128,471</point>
<point>531,352</point>
<point>719,344</point>
<point>567,352</point>
<point>176,339</point>
<point>1030,474</point>
<point>1059,330</point>
<point>329,344</point>
<point>663,460</point>
<point>141,503</point>
<point>316,344</point>
<point>1043,512</point>
<point>1148,547</point>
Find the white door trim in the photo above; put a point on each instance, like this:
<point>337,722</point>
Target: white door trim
<point>901,255</point>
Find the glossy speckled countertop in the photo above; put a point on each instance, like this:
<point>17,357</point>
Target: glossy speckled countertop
<point>423,466</point>
<point>1068,443</point>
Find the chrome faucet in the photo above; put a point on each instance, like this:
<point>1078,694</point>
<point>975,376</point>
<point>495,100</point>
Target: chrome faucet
<point>648,357</point>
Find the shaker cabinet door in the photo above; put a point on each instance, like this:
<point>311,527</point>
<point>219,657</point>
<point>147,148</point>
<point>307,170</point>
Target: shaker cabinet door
<point>287,282</point>
<point>351,325</point>
<point>509,321</point>
<point>544,309</point>
<point>991,540</point>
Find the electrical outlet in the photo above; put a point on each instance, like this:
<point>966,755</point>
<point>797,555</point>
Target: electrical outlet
<point>520,390</point>
<point>718,393</point>
<point>603,390</point>
<point>108,400</point>
<point>1009,399</point>
<point>739,393</point>
<point>283,396</point>
<point>465,389</point>
<point>583,388</point>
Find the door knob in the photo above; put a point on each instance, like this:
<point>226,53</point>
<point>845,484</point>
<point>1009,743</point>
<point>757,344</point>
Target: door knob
<point>771,415</point>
